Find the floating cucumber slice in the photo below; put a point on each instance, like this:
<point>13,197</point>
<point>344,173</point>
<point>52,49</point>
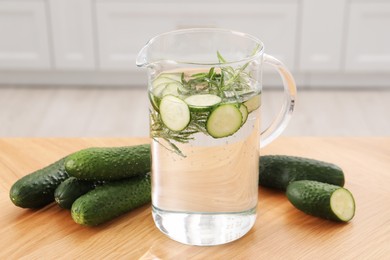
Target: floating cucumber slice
<point>253,103</point>
<point>155,101</point>
<point>166,78</point>
<point>172,76</point>
<point>175,113</point>
<point>202,102</point>
<point>171,89</point>
<point>161,81</point>
<point>224,121</point>
<point>244,113</point>
<point>158,90</point>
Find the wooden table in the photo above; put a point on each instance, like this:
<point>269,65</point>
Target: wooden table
<point>280,232</point>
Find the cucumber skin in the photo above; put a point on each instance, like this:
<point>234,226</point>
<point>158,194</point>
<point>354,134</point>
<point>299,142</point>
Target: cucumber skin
<point>70,190</point>
<point>313,198</point>
<point>277,171</point>
<point>111,200</point>
<point>109,163</point>
<point>36,189</point>
<point>211,117</point>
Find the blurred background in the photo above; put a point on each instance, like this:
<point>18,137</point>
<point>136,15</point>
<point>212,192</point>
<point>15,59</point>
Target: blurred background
<point>67,67</point>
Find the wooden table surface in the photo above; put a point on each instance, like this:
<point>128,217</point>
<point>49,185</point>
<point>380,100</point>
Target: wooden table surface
<point>280,231</point>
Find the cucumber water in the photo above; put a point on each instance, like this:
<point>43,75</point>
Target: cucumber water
<point>205,129</point>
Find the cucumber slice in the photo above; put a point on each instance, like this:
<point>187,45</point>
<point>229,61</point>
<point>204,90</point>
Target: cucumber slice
<point>158,90</point>
<point>175,113</point>
<point>322,200</point>
<point>171,89</point>
<point>202,102</point>
<point>155,101</point>
<point>172,76</point>
<point>224,121</point>
<point>244,113</point>
<point>162,81</point>
<point>166,78</point>
<point>253,103</point>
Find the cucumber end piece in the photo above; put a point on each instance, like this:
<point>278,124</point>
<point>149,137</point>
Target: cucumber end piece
<point>78,215</point>
<point>78,218</point>
<point>342,204</point>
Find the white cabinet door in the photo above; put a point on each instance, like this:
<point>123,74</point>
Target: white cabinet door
<point>24,42</point>
<point>123,28</point>
<point>72,32</point>
<point>368,41</point>
<point>322,35</point>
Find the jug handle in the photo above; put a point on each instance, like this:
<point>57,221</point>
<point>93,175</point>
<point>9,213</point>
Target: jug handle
<point>284,115</point>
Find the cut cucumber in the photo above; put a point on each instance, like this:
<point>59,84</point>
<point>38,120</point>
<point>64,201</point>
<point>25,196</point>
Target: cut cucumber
<point>161,90</point>
<point>162,81</point>
<point>158,90</point>
<point>224,121</point>
<point>322,200</point>
<point>171,89</point>
<point>172,76</point>
<point>175,113</point>
<point>244,113</point>
<point>202,102</point>
<point>166,78</point>
<point>163,85</point>
<point>253,103</point>
<point>155,101</point>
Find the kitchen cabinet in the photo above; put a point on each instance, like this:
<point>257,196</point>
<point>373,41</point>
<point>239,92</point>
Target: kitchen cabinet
<point>124,27</point>
<point>325,43</point>
<point>72,32</point>
<point>368,41</point>
<point>24,40</point>
<point>321,35</point>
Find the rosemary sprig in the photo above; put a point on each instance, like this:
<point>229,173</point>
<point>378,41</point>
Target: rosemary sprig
<point>225,81</point>
<point>159,130</point>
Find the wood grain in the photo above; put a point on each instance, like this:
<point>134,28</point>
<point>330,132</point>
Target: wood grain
<point>280,232</point>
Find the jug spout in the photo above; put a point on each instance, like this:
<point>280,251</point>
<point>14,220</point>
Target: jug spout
<point>142,58</point>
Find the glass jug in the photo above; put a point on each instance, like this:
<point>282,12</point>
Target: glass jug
<point>204,87</point>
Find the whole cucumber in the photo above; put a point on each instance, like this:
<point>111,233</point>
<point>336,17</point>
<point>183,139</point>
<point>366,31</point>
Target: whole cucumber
<point>70,190</point>
<point>109,163</point>
<point>277,171</point>
<point>322,200</point>
<point>36,189</point>
<point>111,200</point>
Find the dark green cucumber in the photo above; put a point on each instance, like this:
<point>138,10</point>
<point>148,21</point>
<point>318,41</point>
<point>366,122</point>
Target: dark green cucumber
<point>277,171</point>
<point>111,200</point>
<point>70,190</point>
<point>322,200</point>
<point>109,163</point>
<point>36,189</point>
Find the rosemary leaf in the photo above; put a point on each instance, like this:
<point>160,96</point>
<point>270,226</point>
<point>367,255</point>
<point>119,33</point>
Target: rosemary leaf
<point>227,82</point>
<point>220,58</point>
